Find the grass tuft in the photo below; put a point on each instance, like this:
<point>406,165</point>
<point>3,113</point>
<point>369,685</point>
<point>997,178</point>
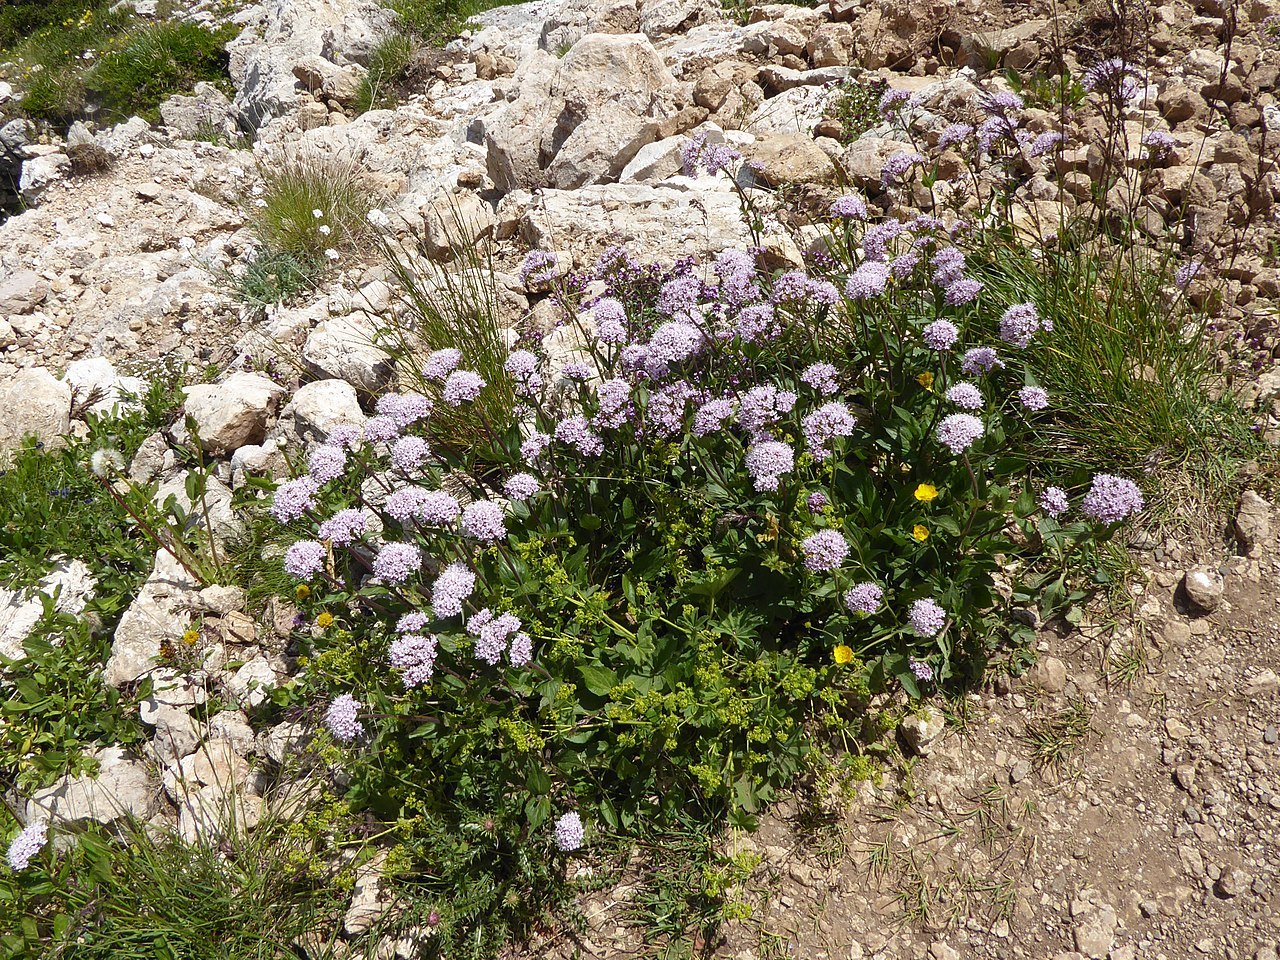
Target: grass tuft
<point>310,204</point>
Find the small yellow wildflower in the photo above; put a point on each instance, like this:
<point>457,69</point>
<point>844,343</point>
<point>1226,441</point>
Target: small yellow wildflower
<point>302,592</point>
<point>926,493</point>
<point>191,636</point>
<point>920,532</point>
<point>325,620</point>
<point>842,654</point>
<point>925,380</point>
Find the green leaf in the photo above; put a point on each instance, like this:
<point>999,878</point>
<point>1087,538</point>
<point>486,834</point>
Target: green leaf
<point>599,680</point>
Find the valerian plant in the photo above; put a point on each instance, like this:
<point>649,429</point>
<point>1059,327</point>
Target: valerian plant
<point>723,513</point>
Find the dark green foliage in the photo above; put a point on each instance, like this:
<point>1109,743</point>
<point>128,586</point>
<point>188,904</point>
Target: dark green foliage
<point>135,64</point>
<point>58,708</point>
<point>148,66</point>
<point>145,896</point>
<point>56,506</point>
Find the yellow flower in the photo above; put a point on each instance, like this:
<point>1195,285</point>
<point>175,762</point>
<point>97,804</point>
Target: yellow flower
<point>842,654</point>
<point>191,636</point>
<point>925,380</point>
<point>324,621</point>
<point>926,493</point>
<point>302,592</point>
<point>920,532</point>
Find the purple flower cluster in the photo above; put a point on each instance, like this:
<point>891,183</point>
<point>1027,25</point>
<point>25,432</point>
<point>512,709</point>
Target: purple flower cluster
<point>699,154</point>
<point>958,432</point>
<point>293,498</point>
<point>611,321</point>
<point>822,377</point>
<point>829,421</point>
<point>414,655</point>
<point>462,386</point>
<point>1020,323</point>
<point>533,446</point>
<point>397,562</point>
<point>410,453</point>
<point>817,502</point>
<point>380,429</point>
<point>1033,398</point>
<point>962,291</point>
<point>1053,501</point>
<point>482,521</point>
<point>576,432</point>
<point>405,409</point>
<point>922,671</point>
<point>965,395</point>
<point>538,268</point>
<point>869,280</point>
<point>711,417</point>
<point>345,527</point>
<point>454,585</point>
<point>1186,273</point>
<point>1112,499</point>
<point>346,435</point>
<point>305,559</point>
<point>980,360</point>
<point>954,135</point>
<point>1113,78</point>
<point>326,463</point>
<point>521,486</point>
<point>926,618</point>
<point>767,462</point>
<point>763,405</point>
<point>824,551</point>
<point>1043,143</point>
<point>897,165</point>
<point>412,622</point>
<point>492,634</point>
<point>569,833</point>
<point>29,841</point>
<point>850,207</point>
<point>940,335</point>
<point>441,363</point>
<point>891,101</point>
<point>864,598</point>
<point>675,342</point>
<point>341,718</point>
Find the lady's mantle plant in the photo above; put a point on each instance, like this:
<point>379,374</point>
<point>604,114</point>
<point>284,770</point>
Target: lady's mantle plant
<point>690,553</point>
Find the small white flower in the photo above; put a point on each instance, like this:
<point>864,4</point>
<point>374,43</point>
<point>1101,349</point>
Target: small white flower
<point>259,202</point>
<point>324,230</point>
<point>331,253</point>
<point>257,190</point>
<point>318,214</point>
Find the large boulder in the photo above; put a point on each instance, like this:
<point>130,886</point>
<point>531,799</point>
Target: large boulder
<point>205,114</point>
<point>570,22</point>
<point>346,348</point>
<point>287,32</point>
<point>233,412</point>
<point>581,120</point>
<point>160,614</point>
<point>35,404</point>
<point>317,407</point>
<point>100,389</point>
<point>121,789</point>
<point>678,217</point>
